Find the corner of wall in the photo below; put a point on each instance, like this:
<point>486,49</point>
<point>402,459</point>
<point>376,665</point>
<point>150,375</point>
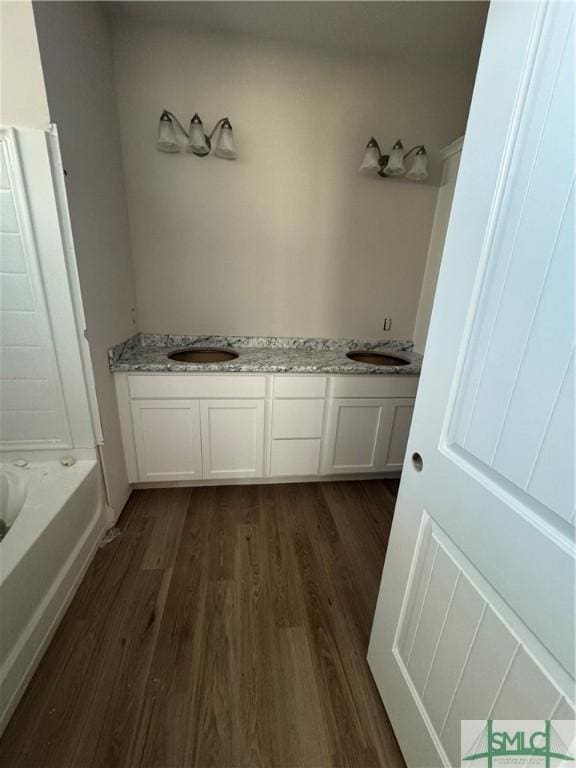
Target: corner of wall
<point>24,102</point>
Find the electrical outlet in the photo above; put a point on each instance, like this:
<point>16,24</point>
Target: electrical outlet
<point>387,324</point>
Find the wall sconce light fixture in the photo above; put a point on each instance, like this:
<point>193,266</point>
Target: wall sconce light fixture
<point>173,138</point>
<point>167,137</point>
<point>198,142</point>
<point>393,164</point>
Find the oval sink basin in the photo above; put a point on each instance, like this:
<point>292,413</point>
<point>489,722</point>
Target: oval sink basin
<point>377,358</point>
<point>203,355</point>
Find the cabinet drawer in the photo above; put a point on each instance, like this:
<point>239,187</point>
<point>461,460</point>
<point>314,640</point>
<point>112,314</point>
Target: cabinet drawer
<point>297,418</point>
<point>294,457</point>
<point>299,386</point>
<point>373,386</point>
<point>166,385</point>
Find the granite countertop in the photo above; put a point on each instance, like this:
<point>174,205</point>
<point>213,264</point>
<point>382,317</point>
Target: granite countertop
<point>260,354</point>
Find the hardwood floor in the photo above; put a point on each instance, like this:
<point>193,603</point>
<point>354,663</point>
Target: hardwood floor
<point>226,626</point>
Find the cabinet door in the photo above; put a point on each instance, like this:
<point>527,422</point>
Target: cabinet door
<point>294,457</point>
<point>167,439</point>
<point>366,434</point>
<point>354,435</point>
<point>399,413</point>
<point>232,438</point>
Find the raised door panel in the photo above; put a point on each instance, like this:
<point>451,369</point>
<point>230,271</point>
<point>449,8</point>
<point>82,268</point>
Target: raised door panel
<point>294,457</point>
<point>400,414</point>
<point>354,437</point>
<point>167,439</point>
<point>232,438</point>
<point>460,648</point>
<point>297,419</point>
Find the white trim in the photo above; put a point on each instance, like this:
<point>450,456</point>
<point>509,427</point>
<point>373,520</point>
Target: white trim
<point>55,159</point>
<point>277,480</point>
<point>452,149</point>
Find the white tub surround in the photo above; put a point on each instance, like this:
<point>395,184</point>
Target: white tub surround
<point>42,559</point>
<point>47,399</point>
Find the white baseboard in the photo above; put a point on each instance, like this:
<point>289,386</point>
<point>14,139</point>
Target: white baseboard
<point>394,474</point>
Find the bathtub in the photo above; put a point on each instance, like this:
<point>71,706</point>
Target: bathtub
<point>55,518</point>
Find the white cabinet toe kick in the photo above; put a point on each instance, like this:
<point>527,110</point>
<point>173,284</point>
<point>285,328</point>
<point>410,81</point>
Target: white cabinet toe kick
<point>202,429</point>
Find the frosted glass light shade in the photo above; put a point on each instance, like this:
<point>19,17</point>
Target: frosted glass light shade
<point>371,159</point>
<point>197,139</point>
<point>225,146</point>
<point>167,139</point>
<point>395,164</point>
<point>419,169</point>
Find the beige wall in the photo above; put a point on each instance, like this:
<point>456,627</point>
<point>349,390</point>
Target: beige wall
<point>22,95</point>
<point>75,45</point>
<point>289,239</point>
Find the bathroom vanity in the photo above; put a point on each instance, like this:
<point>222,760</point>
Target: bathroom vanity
<point>274,411</point>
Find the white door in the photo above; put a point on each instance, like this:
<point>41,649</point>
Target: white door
<point>232,438</point>
<point>355,434</point>
<point>475,616</point>
<point>167,439</point>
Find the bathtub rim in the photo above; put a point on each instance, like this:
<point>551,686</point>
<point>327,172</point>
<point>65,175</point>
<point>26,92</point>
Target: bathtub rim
<point>21,661</point>
<point>21,535</point>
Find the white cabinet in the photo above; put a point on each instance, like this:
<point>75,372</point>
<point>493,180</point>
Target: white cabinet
<point>232,438</point>
<point>354,435</point>
<point>399,418</point>
<point>297,419</point>
<point>167,439</point>
<point>297,425</point>
<point>198,439</point>
<point>180,427</point>
<point>366,434</point>
<point>294,458</point>
<point>299,386</point>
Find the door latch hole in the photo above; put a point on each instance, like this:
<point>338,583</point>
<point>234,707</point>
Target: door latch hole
<point>417,462</point>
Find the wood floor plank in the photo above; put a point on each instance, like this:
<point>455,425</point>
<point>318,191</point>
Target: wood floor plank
<point>347,579</point>
<point>255,645</point>
<point>222,538</point>
<point>379,511</point>
<point>304,739</point>
<point>161,735</point>
<point>348,506</point>
<point>351,638</point>
<point>213,741</point>
<point>121,669</point>
<point>226,627</point>
<point>285,591</point>
<point>349,741</point>
<point>166,532</point>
